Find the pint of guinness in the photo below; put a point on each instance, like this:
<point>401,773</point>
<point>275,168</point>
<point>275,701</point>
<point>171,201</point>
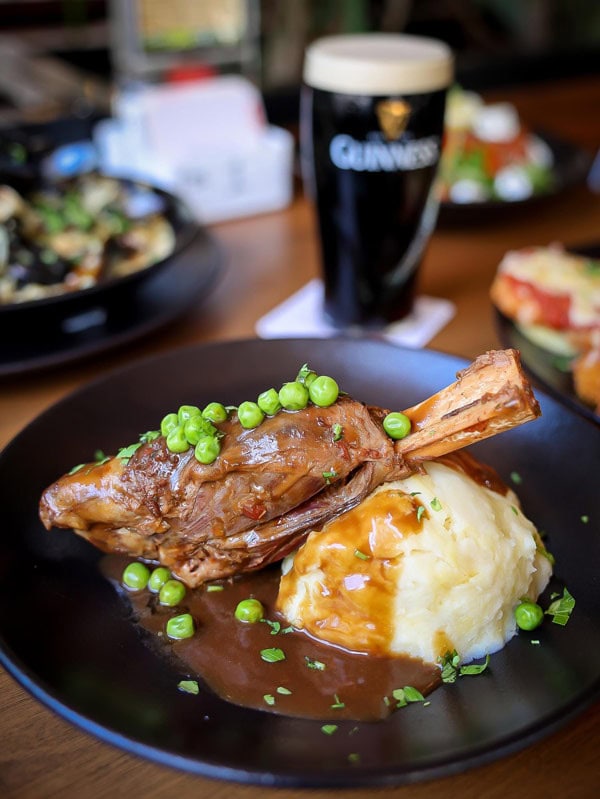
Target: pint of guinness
<point>371,124</point>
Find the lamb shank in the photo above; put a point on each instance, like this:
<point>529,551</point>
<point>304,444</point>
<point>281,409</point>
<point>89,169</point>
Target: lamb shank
<point>271,485</point>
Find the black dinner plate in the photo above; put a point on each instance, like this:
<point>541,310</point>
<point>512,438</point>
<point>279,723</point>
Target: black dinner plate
<point>549,371</point>
<point>70,642</point>
<point>32,341</point>
<point>571,166</point>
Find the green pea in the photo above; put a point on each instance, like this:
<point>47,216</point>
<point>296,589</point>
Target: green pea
<point>176,440</point>
<point>250,415</point>
<point>215,412</point>
<point>169,422</point>
<point>268,402</point>
<point>323,391</point>
<point>293,396</point>
<point>249,610</point>
<point>171,593</point>
<point>180,627</point>
<point>196,427</point>
<point>158,578</point>
<point>396,425</point>
<point>185,412</point>
<point>528,615</point>
<point>135,576</point>
<point>207,449</point>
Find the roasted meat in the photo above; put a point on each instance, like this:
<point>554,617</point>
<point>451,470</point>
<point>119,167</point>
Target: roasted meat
<point>271,485</point>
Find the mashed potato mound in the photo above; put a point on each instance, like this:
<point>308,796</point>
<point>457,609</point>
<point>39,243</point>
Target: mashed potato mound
<point>423,566</point>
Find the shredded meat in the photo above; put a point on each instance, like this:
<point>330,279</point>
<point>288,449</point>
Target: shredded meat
<point>271,485</point>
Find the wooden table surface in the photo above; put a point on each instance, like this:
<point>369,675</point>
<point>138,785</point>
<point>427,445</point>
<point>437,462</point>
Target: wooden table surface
<point>266,259</point>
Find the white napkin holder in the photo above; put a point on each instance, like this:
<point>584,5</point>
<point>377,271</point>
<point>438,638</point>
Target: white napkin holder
<point>207,141</point>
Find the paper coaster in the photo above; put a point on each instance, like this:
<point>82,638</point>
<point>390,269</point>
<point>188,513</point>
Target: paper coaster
<point>300,316</point>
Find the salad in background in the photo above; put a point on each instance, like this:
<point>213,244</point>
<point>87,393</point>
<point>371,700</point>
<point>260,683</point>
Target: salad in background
<point>489,154</point>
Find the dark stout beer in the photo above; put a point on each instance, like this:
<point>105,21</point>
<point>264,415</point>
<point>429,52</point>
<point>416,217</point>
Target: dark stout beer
<point>372,115</point>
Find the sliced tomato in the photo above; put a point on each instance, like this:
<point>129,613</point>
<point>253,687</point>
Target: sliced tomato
<point>501,154</point>
<point>553,310</point>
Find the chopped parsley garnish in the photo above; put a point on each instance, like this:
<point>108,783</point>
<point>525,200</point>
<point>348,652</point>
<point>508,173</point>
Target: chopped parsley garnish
<point>281,689</point>
<point>544,552</point>
<point>150,435</point>
<point>317,665</point>
<point>276,627</point>
<point>272,655</point>
<point>361,555</point>
<point>269,699</point>
<point>516,478</point>
<point>99,456</point>
<point>561,607</point>
<point>76,468</point>
<point>329,729</point>
<point>214,588</point>
<point>337,704</point>
<point>125,453</point>
<point>407,694</point>
<point>329,476</point>
<point>475,668</point>
<point>585,519</point>
<point>353,757</point>
<point>436,504</point>
<point>304,372</point>
<point>420,512</point>
<point>338,432</point>
<point>451,668</point>
<point>188,686</point>
<point>450,664</point>
<point>515,510</point>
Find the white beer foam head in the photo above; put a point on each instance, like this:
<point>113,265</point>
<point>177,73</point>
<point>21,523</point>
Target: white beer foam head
<point>378,64</point>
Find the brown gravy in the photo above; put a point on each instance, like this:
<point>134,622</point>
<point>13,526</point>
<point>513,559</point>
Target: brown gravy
<point>315,680</point>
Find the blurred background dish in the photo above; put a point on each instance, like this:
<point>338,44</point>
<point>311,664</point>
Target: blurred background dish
<point>55,326</point>
<point>493,161</point>
<point>86,232</point>
<point>551,372</point>
<point>552,368</point>
<point>489,154</point>
<point>49,333</point>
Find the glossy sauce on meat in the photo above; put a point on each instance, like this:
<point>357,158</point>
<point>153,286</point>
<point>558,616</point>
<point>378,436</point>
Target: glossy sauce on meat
<point>324,682</point>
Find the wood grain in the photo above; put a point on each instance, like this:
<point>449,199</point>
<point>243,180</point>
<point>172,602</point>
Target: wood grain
<point>268,258</point>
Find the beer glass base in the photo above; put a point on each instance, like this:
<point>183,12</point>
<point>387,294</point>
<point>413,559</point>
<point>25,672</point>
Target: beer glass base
<point>347,315</point>
<point>363,324</point>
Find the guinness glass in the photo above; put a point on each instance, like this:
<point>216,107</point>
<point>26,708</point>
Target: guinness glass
<point>371,124</point>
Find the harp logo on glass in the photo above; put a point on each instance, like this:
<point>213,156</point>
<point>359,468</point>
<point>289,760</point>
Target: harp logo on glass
<point>393,116</point>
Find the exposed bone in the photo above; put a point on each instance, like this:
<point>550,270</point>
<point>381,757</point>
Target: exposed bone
<point>490,396</point>
<point>109,506</point>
